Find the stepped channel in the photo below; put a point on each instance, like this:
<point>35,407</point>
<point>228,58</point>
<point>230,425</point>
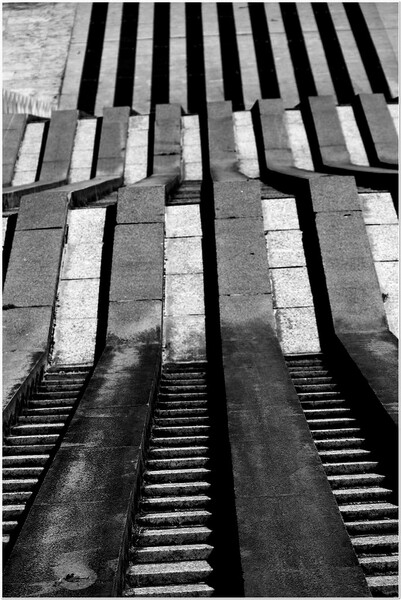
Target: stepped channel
<point>29,447</point>
<point>357,478</point>
<point>172,539</point>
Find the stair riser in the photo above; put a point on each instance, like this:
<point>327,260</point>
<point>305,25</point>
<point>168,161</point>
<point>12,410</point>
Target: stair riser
<point>167,579</point>
<point>159,521</point>
<point>148,555</point>
<point>168,538</point>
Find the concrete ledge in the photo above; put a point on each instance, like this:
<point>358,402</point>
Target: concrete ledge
<point>12,195</point>
<point>113,142</point>
<point>167,144</point>
<point>84,192</point>
<point>59,145</point>
<point>379,133</point>
<point>141,204</point>
<point>222,154</point>
<point>13,132</point>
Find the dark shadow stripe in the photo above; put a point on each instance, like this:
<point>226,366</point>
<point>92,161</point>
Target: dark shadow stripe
<point>124,90</point>
<point>8,243</point>
<point>367,50</point>
<point>332,49</point>
<point>161,55</point>
<point>299,55</point>
<point>229,56</point>
<point>195,58</point>
<point>42,149</point>
<point>96,146</point>
<point>93,57</point>
<point>269,86</point>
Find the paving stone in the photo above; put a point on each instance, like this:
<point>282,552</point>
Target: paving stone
<point>378,208</point>
<point>184,338</point>
<point>285,249</point>
<point>141,204</point>
<point>183,221</point>
<point>74,341</point>
<point>47,210</point>
<point>183,255</point>
<point>280,213</point>
<point>78,299</point>
<point>33,268</point>
<point>184,294</point>
<point>82,261</point>
<point>134,323</point>
<point>291,287</point>
<point>388,276</point>
<point>221,138</point>
<point>383,140</point>
<point>235,199</point>
<point>297,330</point>
<point>59,145</point>
<point>383,241</point>
<point>192,171</point>
<point>86,225</point>
<point>352,136</point>
<point>26,328</point>
<point>243,317</point>
<point>241,256</point>
<point>331,142</point>
<point>298,140</point>
<point>333,193</point>
<point>136,157</point>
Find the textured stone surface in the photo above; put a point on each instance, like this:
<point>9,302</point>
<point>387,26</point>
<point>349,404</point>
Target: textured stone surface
<point>383,241</point>
<point>297,330</point>
<point>86,225</point>
<point>183,221</point>
<point>291,287</point>
<point>352,136</point>
<point>388,276</point>
<point>334,193</point>
<point>378,208</point>
<point>141,204</point>
<point>33,268</point>
<point>331,142</point>
<point>82,152</point>
<point>184,294</point>
<point>280,213</point>
<point>241,256</point>
<point>235,199</point>
<point>238,312</point>
<point>134,323</point>
<point>59,145</point>
<point>47,210</point>
<point>298,140</point>
<point>13,131</point>
<point>74,341</point>
<point>184,255</point>
<point>184,338</point>
<point>82,261</point>
<point>28,155</point>
<point>245,143</point>
<point>285,249</point>
<point>26,328</point>
<point>136,157</point>
<point>79,299</point>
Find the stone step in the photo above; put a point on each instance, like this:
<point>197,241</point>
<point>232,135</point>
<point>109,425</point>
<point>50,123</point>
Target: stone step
<point>326,413</point>
<point>12,511</point>
<point>57,395</point>
<point>373,564</point>
<point>344,454</point>
<point>319,396</point>
<point>356,479</point>
<point>175,421</point>
<point>32,440</point>
<point>37,429</point>
<point>181,412</point>
<point>184,367</point>
<point>17,497</point>
<point>320,404</point>
<point>64,387</point>
<point>171,591</point>
<point>374,511</point>
<point>350,467</point>
<point>168,573</point>
<point>185,376</point>
<point>187,440</point>
<point>375,543</point>
<point>383,585</point>
<point>174,536</point>
<point>49,410</point>
<point>334,423</point>
<point>178,552</point>
<point>166,396</point>
<point>192,488</point>
<point>335,443</point>
<point>372,526</point>
<point>25,460</point>
<point>54,403</point>
<point>300,373</point>
<point>339,432</point>
<point>179,518</point>
<point>178,463</point>
<point>174,503</point>
<point>180,431</point>
<point>9,526</point>
<point>16,485</point>
<point>32,449</point>
<point>6,540</point>
<point>176,475</point>
<point>316,387</point>
<point>182,389</point>
<point>69,378</point>
<point>313,380</point>
<point>177,452</point>
<point>363,494</point>
<point>21,472</point>
<point>304,362</point>
<point>182,405</point>
<point>67,369</point>
<point>183,382</point>
<point>44,419</point>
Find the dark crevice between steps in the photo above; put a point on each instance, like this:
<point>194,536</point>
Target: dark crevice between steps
<point>269,86</point>
<point>96,146</point>
<point>8,243</point>
<point>93,56</point>
<point>124,89</point>
<point>42,149</point>
<point>367,50</point>
<point>161,55</point>
<point>105,278</point>
<point>229,56</point>
<point>195,59</point>
<point>299,55</point>
<point>332,49</point>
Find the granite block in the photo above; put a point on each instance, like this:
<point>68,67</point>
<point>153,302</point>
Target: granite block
<point>46,210</point>
<point>141,204</point>
<point>235,199</point>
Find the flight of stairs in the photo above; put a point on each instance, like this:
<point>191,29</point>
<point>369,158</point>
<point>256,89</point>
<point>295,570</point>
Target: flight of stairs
<point>359,486</point>
<point>31,443</point>
<point>172,536</point>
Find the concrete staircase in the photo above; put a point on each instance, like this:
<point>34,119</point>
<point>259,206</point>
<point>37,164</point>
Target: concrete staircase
<point>171,543</point>
<point>356,477</point>
<point>32,441</point>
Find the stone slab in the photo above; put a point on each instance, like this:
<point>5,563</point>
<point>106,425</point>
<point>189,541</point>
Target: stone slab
<point>82,261</point>
<point>141,204</point>
<point>381,133</point>
<point>291,287</point>
<point>333,193</point>
<point>47,210</point>
<point>184,338</point>
<point>78,299</point>
<point>183,255</point>
<point>33,268</point>
<point>167,141</point>
<point>297,330</point>
<point>383,242</point>
<point>388,276</point>
<point>221,137</point>
<point>134,323</point>
<point>59,145</point>
<point>378,208</point>
<point>137,268</point>
<point>13,132</point>
<point>184,294</point>
<point>113,141</point>
<point>86,225</point>
<point>183,221</point>
<point>280,214</point>
<point>234,199</point>
<point>75,341</point>
<point>327,126</point>
<point>351,280</point>
<point>238,314</point>
<point>241,256</point>
<point>273,125</point>
<point>26,328</point>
